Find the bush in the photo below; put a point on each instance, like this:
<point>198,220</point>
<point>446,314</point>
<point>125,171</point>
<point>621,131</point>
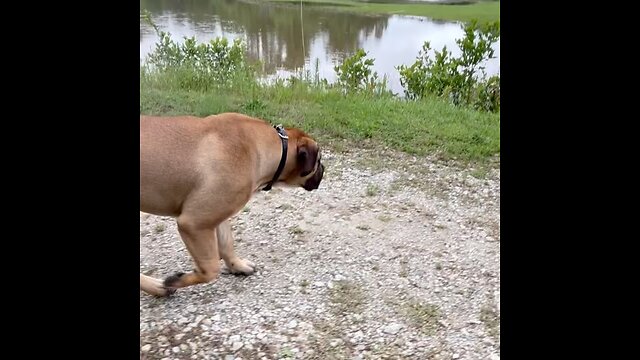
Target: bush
<point>459,79</point>
<point>199,66</point>
<point>355,75</point>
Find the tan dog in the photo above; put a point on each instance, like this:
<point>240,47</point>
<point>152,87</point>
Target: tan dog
<point>204,170</point>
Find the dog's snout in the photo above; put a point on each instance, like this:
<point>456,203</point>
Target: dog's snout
<point>314,182</point>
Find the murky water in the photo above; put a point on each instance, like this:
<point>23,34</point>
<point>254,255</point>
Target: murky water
<point>286,42</point>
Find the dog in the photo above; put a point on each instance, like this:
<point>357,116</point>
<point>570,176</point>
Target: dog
<point>203,170</point>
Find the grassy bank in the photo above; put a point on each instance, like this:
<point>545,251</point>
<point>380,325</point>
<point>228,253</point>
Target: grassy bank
<point>482,11</point>
<point>429,126</point>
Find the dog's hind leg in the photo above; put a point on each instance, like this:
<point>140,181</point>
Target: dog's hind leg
<point>235,264</point>
<point>154,286</point>
<point>200,240</point>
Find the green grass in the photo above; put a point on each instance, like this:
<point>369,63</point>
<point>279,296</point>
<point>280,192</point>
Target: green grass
<point>296,230</point>
<point>491,320</point>
<point>429,126</point>
<point>424,316</point>
<point>372,190</point>
<point>346,296</point>
<point>482,11</point>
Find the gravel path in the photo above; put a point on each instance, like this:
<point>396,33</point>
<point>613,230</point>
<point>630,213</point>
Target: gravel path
<point>394,257</point>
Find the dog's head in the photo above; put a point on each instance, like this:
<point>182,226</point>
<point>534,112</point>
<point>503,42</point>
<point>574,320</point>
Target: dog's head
<point>308,169</point>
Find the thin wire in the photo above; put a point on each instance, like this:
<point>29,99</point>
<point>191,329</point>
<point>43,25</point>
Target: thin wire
<point>302,33</point>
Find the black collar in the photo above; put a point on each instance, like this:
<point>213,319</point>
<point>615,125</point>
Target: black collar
<point>283,158</point>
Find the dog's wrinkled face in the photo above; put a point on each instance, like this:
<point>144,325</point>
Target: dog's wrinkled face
<point>309,169</point>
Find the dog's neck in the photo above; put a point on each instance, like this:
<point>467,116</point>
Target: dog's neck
<point>269,164</point>
<point>283,157</point>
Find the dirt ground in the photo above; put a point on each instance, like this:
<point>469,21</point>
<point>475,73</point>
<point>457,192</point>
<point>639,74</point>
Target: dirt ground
<point>394,257</point>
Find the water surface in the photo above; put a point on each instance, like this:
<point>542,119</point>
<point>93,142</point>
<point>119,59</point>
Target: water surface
<point>285,42</point>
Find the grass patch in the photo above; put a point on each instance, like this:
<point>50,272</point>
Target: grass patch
<point>480,172</point>
<point>296,230</point>
<point>491,321</point>
<point>372,190</point>
<point>424,316</point>
<point>286,353</point>
<point>346,297</point>
<point>159,228</point>
<point>482,10</point>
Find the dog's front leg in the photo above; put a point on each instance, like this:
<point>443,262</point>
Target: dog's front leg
<point>201,242</point>
<point>234,264</point>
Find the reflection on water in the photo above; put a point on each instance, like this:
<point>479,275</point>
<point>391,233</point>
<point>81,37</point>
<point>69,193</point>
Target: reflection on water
<point>285,42</point>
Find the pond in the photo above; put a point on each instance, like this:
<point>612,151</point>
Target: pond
<point>286,42</point>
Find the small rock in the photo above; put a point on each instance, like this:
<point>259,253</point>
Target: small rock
<point>333,343</point>
<point>318,284</point>
<point>179,336</point>
<point>360,347</point>
<point>234,338</point>
<point>392,329</point>
<point>229,357</point>
<point>292,324</point>
<point>206,322</point>
<point>175,349</point>
<point>145,348</point>
<point>456,356</point>
<point>236,346</point>
<point>216,318</point>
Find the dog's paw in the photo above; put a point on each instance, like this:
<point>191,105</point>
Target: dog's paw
<point>240,267</point>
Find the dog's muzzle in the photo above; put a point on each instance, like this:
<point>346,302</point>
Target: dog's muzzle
<point>314,182</point>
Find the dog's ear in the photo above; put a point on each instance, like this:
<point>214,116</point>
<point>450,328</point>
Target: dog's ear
<point>307,156</point>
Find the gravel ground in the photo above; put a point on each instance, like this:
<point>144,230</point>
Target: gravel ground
<point>394,257</point>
